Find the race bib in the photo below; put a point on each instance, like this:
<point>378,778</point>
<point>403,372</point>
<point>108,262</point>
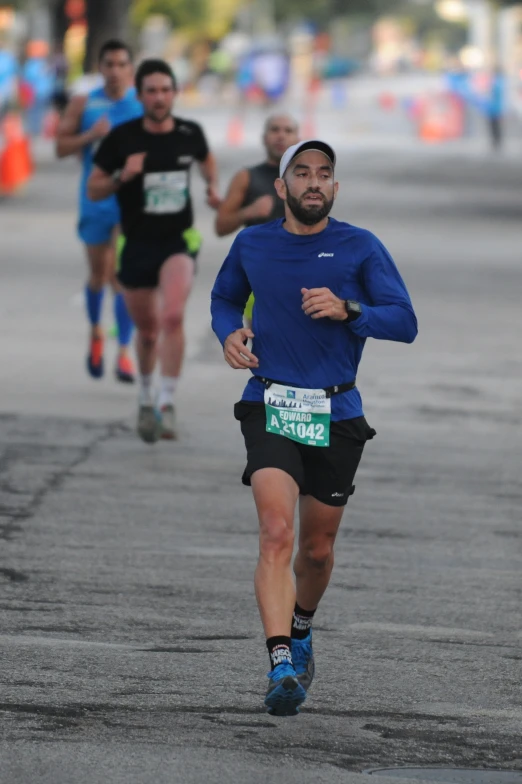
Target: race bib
<point>302,415</point>
<point>165,192</point>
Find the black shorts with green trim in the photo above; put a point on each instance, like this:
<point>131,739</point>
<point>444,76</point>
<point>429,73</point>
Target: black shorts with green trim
<point>325,473</point>
<point>140,261</point>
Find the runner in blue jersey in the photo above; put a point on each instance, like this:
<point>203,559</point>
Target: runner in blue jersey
<point>86,121</point>
<point>322,287</point>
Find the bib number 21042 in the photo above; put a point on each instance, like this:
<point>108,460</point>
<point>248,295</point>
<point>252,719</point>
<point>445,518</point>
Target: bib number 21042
<point>302,415</point>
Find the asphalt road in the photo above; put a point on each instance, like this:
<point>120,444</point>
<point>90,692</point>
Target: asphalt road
<point>130,645</point>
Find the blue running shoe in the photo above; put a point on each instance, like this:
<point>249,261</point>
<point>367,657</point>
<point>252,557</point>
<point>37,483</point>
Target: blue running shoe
<point>303,658</point>
<point>284,694</point>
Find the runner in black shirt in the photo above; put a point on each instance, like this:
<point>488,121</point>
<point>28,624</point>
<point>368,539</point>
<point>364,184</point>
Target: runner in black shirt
<point>147,162</point>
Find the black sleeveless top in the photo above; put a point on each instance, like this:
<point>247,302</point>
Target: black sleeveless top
<point>262,178</point>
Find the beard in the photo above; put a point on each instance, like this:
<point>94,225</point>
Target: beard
<point>159,115</point>
<point>312,215</point>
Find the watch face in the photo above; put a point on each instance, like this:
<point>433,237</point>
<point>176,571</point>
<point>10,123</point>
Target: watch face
<point>355,306</point>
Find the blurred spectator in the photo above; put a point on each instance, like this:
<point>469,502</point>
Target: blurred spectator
<point>37,82</point>
<point>8,78</point>
<point>458,81</point>
<point>218,72</point>
<point>496,107</point>
<point>59,67</point>
<point>271,70</point>
<point>245,78</point>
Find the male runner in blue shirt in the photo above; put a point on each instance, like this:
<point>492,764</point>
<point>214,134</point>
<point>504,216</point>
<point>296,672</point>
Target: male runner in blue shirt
<point>86,121</point>
<point>321,288</point>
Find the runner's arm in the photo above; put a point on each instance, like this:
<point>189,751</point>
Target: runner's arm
<point>390,316</point>
<point>68,139</point>
<point>209,172</point>
<point>231,215</point>
<point>229,295</point>
<point>101,185</point>
<point>110,169</point>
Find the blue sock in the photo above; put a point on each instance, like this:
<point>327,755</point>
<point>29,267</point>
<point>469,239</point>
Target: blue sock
<point>94,302</point>
<point>123,320</point>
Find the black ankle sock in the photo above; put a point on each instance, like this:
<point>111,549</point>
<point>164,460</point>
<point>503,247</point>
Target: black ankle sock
<point>301,622</point>
<point>279,650</point>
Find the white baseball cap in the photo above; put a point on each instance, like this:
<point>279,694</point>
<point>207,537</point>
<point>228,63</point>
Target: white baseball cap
<point>297,149</point>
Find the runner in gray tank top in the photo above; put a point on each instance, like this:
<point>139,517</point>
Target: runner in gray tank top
<point>251,198</point>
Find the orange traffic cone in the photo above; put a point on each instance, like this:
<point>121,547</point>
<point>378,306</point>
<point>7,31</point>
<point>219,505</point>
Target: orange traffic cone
<point>235,131</point>
<point>12,127</point>
<point>16,165</point>
<point>432,122</point>
<point>430,132</point>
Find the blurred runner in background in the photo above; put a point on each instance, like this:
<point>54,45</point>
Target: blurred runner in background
<point>251,198</point>
<point>86,121</point>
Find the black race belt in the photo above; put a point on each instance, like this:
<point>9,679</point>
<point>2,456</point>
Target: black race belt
<point>330,391</point>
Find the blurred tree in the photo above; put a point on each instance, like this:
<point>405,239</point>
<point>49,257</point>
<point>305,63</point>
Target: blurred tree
<point>322,12</point>
<point>105,19</point>
<point>59,20</point>
<point>181,13</point>
<point>421,13</point>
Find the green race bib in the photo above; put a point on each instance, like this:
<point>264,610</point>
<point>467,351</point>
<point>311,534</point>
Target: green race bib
<point>165,192</point>
<point>302,415</point>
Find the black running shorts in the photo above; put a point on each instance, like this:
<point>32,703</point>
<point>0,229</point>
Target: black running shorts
<point>326,473</point>
<point>140,262</point>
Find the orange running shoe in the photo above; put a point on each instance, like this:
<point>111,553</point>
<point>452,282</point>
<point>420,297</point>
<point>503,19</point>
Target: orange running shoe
<point>95,358</point>
<point>125,371</point>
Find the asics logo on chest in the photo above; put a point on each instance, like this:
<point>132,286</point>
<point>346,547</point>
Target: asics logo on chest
<point>324,255</point>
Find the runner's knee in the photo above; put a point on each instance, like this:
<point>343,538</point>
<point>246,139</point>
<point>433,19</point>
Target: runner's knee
<point>101,273</point>
<point>318,553</point>
<point>148,336</point>
<point>98,279</point>
<point>276,536</point>
<point>172,320</point>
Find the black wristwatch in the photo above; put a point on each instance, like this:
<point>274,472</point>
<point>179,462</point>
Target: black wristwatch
<point>353,309</point>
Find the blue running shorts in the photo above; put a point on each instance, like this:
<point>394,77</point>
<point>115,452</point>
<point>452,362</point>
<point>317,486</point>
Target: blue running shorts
<point>97,229</point>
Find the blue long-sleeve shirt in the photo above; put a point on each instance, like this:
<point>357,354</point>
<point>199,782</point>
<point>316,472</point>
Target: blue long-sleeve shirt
<point>291,346</point>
